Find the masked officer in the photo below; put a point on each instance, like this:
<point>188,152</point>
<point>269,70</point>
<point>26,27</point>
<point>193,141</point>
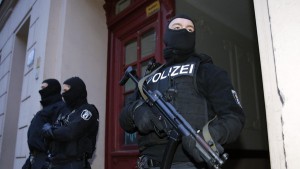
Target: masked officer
<point>53,105</point>
<point>198,89</point>
<point>74,134</point>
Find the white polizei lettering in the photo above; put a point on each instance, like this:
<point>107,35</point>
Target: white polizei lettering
<point>174,73</point>
<point>184,69</point>
<point>162,76</point>
<point>191,68</point>
<point>170,70</point>
<point>154,79</point>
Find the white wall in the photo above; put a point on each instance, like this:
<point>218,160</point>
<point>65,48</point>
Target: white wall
<point>285,27</point>
<point>69,38</point>
<point>77,46</point>
<point>85,55</point>
<point>278,27</point>
<point>28,97</point>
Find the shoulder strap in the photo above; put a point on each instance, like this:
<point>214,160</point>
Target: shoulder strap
<point>207,136</point>
<point>204,58</point>
<point>199,78</point>
<point>141,82</point>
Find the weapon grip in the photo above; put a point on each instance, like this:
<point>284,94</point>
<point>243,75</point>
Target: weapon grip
<point>126,76</point>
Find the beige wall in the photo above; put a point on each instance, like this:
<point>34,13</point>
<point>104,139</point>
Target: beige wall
<point>25,96</point>
<point>77,46</point>
<point>278,27</point>
<point>286,40</point>
<point>69,38</point>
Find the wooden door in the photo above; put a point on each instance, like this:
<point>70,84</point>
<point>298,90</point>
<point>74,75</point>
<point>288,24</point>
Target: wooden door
<point>135,36</point>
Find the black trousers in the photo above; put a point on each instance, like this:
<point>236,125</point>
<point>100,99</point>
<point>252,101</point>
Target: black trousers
<point>71,165</point>
<point>182,165</point>
<point>39,161</point>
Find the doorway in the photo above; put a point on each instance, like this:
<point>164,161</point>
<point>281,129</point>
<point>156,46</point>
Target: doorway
<point>14,91</point>
<point>227,32</point>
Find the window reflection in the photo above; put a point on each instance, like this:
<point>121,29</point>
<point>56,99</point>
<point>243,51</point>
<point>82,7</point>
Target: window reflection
<point>148,43</point>
<point>131,52</point>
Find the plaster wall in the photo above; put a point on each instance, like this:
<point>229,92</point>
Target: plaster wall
<point>278,30</point>
<point>83,53</point>
<point>69,38</point>
<point>285,27</point>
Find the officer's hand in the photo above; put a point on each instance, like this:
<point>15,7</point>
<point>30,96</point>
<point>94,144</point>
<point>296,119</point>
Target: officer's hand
<point>189,144</point>
<point>47,130</point>
<point>142,117</point>
<point>146,119</point>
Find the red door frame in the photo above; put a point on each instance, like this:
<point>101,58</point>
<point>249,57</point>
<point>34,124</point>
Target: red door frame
<point>119,28</point>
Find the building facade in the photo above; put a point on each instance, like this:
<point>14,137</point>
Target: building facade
<point>255,41</point>
<point>48,39</point>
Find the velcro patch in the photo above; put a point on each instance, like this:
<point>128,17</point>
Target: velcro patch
<point>86,115</point>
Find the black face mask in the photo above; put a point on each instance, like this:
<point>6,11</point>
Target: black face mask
<point>77,95</point>
<point>70,98</point>
<point>51,93</point>
<point>180,44</point>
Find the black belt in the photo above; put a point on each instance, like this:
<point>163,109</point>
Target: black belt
<point>64,160</point>
<point>144,162</point>
<point>35,153</point>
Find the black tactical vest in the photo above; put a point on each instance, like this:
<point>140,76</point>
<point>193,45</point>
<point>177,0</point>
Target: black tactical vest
<point>178,85</point>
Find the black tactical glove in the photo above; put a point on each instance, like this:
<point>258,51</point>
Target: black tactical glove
<point>189,144</point>
<point>47,130</point>
<point>146,120</point>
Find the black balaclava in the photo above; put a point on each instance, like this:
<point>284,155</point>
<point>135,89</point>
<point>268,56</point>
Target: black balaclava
<point>77,95</point>
<point>51,93</point>
<point>180,44</point>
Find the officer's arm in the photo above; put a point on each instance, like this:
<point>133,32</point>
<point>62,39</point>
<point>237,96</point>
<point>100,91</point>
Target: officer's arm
<point>77,127</point>
<point>126,118</point>
<point>224,102</point>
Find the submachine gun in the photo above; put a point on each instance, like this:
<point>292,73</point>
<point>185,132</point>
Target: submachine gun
<point>180,125</point>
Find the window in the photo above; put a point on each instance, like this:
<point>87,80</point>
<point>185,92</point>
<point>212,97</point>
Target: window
<point>137,54</point>
<point>134,40</point>
<point>148,42</point>
<point>122,5</point>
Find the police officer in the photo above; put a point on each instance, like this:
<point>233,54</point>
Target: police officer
<point>199,90</point>
<point>74,134</point>
<point>53,105</point>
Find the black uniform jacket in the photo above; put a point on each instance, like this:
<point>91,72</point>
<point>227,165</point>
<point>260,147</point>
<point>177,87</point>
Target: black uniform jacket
<point>48,114</point>
<point>78,133</point>
<point>222,101</point>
